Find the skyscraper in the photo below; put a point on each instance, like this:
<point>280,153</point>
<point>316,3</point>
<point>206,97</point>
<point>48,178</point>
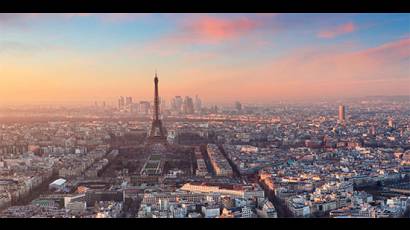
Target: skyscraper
<point>121,102</point>
<point>198,104</point>
<point>144,107</point>
<point>188,105</point>
<point>176,104</point>
<point>128,101</point>
<point>342,113</point>
<point>238,106</point>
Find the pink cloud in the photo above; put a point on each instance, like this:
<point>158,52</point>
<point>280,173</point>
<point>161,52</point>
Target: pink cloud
<point>392,51</point>
<point>212,29</point>
<point>202,30</point>
<point>205,30</point>
<point>337,31</point>
<point>369,63</point>
<point>316,72</point>
<point>337,69</point>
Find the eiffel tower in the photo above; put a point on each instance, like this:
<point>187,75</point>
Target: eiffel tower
<point>158,132</point>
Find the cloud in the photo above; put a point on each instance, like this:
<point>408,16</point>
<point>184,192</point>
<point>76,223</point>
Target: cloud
<point>212,29</point>
<point>203,30</point>
<point>369,63</point>
<point>315,72</point>
<point>390,52</point>
<point>337,31</point>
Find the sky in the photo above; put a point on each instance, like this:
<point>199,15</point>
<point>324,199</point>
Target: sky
<point>252,58</point>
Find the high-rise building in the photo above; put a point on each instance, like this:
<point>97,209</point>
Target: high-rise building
<point>135,108</point>
<point>342,113</point>
<point>188,105</point>
<point>177,103</point>
<point>238,106</point>
<point>121,102</point>
<point>214,109</point>
<point>128,101</point>
<point>144,107</point>
<point>198,104</point>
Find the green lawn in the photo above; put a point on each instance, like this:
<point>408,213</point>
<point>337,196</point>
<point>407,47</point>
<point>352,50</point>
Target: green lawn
<point>155,157</point>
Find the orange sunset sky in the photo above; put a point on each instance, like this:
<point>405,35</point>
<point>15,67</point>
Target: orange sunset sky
<point>82,58</point>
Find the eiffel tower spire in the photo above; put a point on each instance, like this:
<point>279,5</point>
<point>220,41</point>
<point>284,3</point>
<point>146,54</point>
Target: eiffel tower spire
<point>156,98</point>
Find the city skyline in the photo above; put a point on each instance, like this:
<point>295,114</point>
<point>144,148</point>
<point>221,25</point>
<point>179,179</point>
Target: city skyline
<point>82,58</point>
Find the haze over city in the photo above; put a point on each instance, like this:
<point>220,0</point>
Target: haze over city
<point>82,58</point>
